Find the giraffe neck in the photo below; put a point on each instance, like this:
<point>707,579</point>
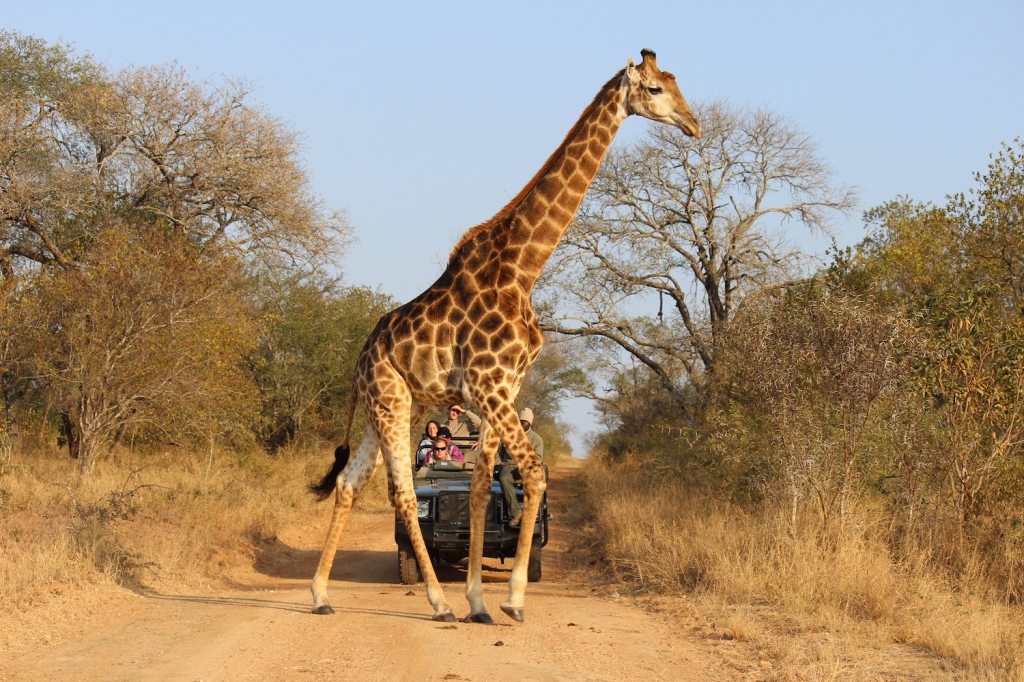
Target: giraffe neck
<point>523,235</point>
<point>548,204</point>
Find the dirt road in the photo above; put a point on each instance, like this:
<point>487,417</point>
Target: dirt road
<point>263,630</point>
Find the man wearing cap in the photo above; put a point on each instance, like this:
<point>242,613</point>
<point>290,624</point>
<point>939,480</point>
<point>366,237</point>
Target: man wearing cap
<point>508,467</point>
<point>461,430</point>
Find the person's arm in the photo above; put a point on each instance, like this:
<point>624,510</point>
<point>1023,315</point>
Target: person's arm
<point>538,444</point>
<point>456,453</point>
<point>474,420</point>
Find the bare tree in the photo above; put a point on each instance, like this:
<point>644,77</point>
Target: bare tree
<point>691,223</point>
<point>80,148</point>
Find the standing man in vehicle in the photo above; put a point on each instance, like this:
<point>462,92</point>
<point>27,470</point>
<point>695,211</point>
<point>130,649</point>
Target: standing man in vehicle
<point>507,474</point>
<point>462,430</point>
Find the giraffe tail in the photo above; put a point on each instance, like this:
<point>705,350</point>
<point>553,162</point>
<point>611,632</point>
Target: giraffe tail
<point>329,482</point>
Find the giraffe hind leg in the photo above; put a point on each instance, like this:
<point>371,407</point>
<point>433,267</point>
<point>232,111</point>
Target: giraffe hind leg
<point>417,415</point>
<point>396,453</point>
<point>348,482</point>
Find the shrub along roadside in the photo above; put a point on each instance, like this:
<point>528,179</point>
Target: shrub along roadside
<point>145,520</point>
<point>666,538</point>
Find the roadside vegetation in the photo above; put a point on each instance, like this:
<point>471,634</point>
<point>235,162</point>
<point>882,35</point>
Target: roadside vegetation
<point>840,447</point>
<point>169,517</point>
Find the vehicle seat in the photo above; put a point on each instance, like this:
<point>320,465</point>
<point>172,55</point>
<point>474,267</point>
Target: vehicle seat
<point>471,454</point>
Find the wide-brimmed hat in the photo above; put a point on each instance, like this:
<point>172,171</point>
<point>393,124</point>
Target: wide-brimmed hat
<point>526,415</point>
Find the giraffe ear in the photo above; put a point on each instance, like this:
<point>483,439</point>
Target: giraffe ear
<point>631,72</point>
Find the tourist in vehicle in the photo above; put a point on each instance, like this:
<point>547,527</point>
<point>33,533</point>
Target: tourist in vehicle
<point>426,442</point>
<point>506,476</point>
<point>444,451</point>
<point>459,428</point>
<point>453,447</point>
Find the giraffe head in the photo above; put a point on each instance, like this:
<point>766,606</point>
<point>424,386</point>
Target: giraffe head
<point>653,94</point>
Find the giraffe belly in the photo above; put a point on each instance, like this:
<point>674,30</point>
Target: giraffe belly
<point>431,384</point>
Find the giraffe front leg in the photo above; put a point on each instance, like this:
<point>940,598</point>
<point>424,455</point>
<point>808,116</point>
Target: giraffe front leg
<point>534,486</point>
<point>501,416</point>
<point>479,496</point>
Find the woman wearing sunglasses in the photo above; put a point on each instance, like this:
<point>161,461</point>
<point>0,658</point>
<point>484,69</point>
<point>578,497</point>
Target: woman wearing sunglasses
<point>445,451</point>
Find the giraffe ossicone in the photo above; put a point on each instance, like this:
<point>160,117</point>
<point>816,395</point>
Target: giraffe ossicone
<point>472,335</point>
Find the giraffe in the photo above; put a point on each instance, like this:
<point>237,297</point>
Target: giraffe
<point>472,335</point>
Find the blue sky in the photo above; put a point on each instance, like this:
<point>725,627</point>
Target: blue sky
<point>422,120</point>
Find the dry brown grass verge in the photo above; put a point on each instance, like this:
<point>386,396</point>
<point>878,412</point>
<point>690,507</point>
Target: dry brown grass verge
<point>664,539</point>
<point>171,518</point>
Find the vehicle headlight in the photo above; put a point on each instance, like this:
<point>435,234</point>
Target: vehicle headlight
<point>423,509</point>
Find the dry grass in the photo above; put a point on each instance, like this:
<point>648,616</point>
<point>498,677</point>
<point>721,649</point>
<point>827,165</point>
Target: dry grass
<point>160,518</point>
<point>849,582</point>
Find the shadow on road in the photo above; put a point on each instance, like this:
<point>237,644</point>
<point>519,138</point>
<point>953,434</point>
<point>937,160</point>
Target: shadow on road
<point>275,604</point>
<point>277,559</point>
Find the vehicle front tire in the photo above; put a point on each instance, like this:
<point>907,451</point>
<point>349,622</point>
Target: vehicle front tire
<point>533,568</point>
<point>408,569</point>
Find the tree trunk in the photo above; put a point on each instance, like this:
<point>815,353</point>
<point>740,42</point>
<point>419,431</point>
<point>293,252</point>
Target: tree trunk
<point>88,446</point>
<point>72,437</point>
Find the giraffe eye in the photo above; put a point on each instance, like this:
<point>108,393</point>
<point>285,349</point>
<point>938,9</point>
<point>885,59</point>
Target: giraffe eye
<point>654,91</point>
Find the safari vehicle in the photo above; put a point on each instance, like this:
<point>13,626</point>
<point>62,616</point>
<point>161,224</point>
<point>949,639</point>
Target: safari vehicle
<point>442,503</point>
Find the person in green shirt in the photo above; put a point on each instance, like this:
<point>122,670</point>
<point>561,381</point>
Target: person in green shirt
<point>506,476</point>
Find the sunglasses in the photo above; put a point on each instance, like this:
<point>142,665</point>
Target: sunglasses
<point>444,448</point>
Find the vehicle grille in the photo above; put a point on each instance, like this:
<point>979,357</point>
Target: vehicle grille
<point>454,508</point>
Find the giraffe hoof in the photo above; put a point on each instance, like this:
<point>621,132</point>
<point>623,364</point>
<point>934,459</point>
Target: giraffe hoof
<point>323,610</point>
<point>444,617</point>
<point>482,617</point>
<point>515,613</point>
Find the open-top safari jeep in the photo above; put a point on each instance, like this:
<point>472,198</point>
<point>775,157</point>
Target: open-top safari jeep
<point>442,503</point>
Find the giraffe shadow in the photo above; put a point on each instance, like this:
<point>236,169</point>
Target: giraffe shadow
<point>277,559</point>
<point>210,600</point>
<point>272,604</point>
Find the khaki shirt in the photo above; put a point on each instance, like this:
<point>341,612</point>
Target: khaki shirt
<point>460,428</point>
<point>536,442</point>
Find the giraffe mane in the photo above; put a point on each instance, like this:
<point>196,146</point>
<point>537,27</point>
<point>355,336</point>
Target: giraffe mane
<point>511,206</point>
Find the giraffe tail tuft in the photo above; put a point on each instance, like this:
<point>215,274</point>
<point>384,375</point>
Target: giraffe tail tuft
<point>329,482</point>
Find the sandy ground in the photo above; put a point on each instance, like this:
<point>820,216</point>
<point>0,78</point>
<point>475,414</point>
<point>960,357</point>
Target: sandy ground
<point>261,628</point>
